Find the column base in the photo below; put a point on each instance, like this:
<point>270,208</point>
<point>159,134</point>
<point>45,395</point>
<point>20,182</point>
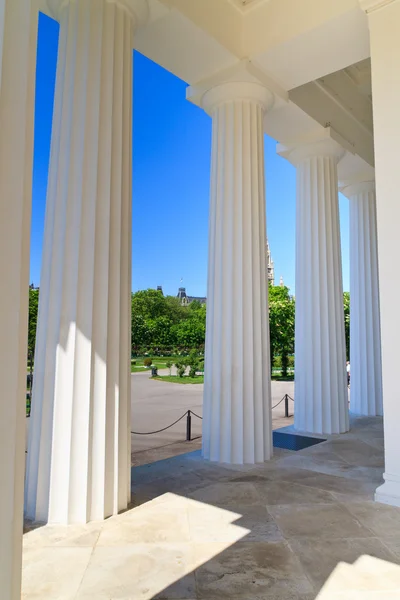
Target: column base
<point>226,464</point>
<point>389,492</point>
<point>318,431</point>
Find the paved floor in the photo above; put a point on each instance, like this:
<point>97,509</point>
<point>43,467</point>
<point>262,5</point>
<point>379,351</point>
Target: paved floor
<point>300,527</point>
<point>156,404</point>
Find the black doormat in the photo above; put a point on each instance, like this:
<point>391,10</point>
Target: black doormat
<point>292,441</point>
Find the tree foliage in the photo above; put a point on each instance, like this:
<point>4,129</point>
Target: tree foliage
<point>160,323</point>
<point>346,306</point>
<point>32,322</point>
<point>281,324</point>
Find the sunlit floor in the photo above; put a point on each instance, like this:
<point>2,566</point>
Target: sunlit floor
<point>303,526</point>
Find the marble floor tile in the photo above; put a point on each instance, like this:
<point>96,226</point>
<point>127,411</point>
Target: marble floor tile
<point>284,492</point>
<point>324,521</point>
<point>210,524</point>
<point>312,463</point>
<point>319,558</point>
<point>323,452</point>
<point>332,483</point>
<point>51,573</point>
<point>383,520</point>
<point>356,452</point>
<point>228,494</point>
<point>152,523</point>
<point>139,572</point>
<point>392,543</point>
<point>368,578</point>
<point>359,497</point>
<point>71,535</point>
<point>251,570</point>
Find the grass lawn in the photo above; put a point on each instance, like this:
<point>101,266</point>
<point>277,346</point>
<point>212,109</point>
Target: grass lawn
<point>176,379</point>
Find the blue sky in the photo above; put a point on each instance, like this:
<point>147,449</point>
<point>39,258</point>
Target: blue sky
<point>171,165</point>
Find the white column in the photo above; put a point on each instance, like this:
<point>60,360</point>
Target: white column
<point>365,338</point>
<point>18,31</point>
<point>321,399</point>
<point>237,396</point>
<point>384,26</point>
<point>79,447</point>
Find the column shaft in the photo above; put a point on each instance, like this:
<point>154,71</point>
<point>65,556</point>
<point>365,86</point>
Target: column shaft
<point>237,397</point>
<point>18,36</point>
<point>79,448</point>
<point>385,61</point>
<point>321,401</point>
<point>365,342</point>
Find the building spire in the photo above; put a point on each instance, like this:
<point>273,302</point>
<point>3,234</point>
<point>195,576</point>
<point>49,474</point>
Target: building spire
<point>270,265</point>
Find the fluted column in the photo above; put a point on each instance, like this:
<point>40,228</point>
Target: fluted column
<point>383,21</point>
<point>365,338</point>
<point>237,398</point>
<point>18,36</point>
<point>79,448</point>
<point>321,399</point>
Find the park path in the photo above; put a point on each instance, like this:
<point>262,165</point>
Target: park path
<point>156,404</point>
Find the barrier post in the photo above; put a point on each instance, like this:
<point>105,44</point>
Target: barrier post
<point>188,426</point>
<point>286,405</point>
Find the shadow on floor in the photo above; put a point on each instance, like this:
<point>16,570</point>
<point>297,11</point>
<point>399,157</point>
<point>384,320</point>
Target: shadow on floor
<point>280,530</point>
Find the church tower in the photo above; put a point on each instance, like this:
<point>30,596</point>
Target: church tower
<point>270,266</point>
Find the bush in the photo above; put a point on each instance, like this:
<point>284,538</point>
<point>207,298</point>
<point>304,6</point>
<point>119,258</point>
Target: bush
<point>193,363</point>
<point>133,362</point>
<point>147,362</point>
<point>181,368</point>
<point>168,364</point>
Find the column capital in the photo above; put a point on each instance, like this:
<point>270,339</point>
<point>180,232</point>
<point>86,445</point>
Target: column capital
<point>321,143</point>
<point>350,189</point>
<point>371,5</point>
<point>243,81</point>
<point>138,9</point>
<point>236,90</point>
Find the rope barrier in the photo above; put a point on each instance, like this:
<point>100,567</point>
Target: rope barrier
<point>280,402</point>
<point>198,416</point>
<point>160,430</point>
<point>188,415</point>
<point>284,398</point>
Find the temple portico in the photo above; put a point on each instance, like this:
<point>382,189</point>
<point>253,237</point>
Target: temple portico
<point>322,78</point>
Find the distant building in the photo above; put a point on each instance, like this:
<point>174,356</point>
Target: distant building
<point>185,299</point>
<point>270,265</point>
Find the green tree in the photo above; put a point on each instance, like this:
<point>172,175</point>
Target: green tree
<point>281,324</point>
<point>140,333</point>
<point>150,304</point>
<point>346,306</point>
<point>156,319</point>
<point>32,322</point>
<point>161,332</point>
<point>191,332</point>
